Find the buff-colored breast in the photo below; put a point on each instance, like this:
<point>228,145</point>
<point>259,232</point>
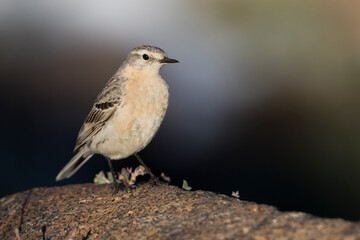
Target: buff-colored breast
<point>143,105</point>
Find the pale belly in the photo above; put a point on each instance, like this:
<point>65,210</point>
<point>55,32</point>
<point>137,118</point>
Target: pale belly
<point>133,125</point>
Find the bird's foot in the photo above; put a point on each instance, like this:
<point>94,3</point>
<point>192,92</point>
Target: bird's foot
<point>154,181</point>
<point>117,187</point>
<point>128,186</point>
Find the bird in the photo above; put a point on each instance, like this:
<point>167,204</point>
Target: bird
<point>126,114</point>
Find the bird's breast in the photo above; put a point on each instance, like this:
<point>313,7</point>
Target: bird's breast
<point>143,106</point>
<point>145,98</point>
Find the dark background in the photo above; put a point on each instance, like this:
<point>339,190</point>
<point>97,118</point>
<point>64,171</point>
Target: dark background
<point>265,99</point>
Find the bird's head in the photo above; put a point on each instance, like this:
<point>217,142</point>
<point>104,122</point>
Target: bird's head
<point>148,58</point>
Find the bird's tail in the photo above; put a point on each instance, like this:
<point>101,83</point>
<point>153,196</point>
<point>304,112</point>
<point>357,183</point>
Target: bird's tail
<point>75,163</point>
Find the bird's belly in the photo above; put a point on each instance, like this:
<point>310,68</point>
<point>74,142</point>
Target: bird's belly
<point>132,127</point>
<point>134,134</point>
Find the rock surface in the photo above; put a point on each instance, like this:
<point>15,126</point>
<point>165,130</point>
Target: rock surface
<point>90,211</point>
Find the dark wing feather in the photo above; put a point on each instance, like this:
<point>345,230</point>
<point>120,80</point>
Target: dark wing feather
<point>99,114</point>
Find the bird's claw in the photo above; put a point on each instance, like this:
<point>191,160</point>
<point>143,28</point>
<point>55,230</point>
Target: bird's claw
<point>154,181</point>
<point>117,186</point>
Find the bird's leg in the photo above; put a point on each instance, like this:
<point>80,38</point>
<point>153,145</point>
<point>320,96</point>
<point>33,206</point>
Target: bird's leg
<point>116,183</point>
<point>153,178</point>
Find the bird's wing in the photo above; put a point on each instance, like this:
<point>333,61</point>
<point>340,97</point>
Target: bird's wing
<point>101,112</point>
<point>104,108</point>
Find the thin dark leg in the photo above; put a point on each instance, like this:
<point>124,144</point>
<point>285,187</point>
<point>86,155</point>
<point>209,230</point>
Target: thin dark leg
<point>115,176</point>
<point>148,170</point>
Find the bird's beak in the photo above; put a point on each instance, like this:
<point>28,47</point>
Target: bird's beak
<point>168,60</point>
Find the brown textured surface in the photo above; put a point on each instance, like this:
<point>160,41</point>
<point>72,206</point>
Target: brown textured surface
<point>90,211</point>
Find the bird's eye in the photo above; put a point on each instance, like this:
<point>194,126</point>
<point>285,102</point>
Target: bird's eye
<point>145,57</point>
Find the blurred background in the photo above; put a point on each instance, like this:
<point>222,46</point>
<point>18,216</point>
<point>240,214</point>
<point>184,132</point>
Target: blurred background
<point>265,99</point>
